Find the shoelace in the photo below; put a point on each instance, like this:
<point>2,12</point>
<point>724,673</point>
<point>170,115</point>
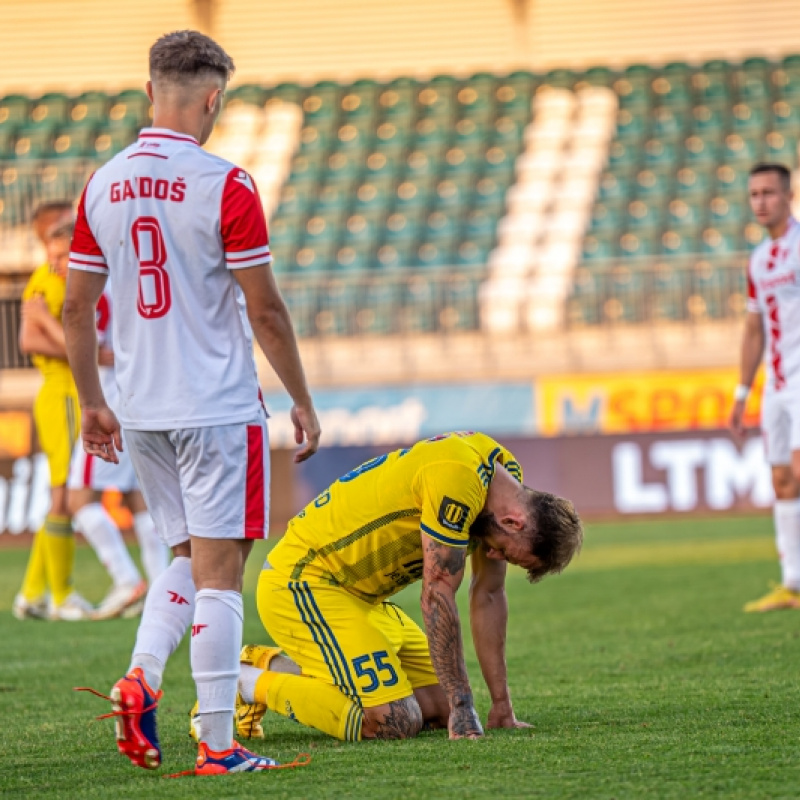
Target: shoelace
<point>117,713</point>
<point>300,760</point>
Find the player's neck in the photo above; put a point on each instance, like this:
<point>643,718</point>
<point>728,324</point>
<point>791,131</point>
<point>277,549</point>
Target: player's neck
<point>179,122</point>
<point>776,231</point>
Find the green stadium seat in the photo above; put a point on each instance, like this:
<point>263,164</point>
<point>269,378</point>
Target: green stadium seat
<point>691,182</point>
<point>719,241</point>
<point>752,87</point>
<point>632,96</point>
<point>489,194</point>
<point>248,93</point>
<point>130,108</point>
<point>306,167</point>
<point>640,74</point>
<point>50,109</point>
<point>458,162</point>
<point>678,243</point>
<point>623,155</point>
<point>660,153</point>
<point>513,99</point>
<point>786,116</point>
<point>781,147</point>
<point>748,119</point>
<point>332,198</point>
<point>314,257</point>
<point>643,215</point>
<point>471,253</point>
<point>433,256</point>
<point>435,101</point>
<point>479,224</point>
<point>671,91</point>
<point>711,83</point>
<point>683,214</point>
<point>380,166</point>
<point>412,194</point>
<point>453,192</point>
<point>605,218</point>
<point>341,167</point>
<point>396,254</point>
<point>362,231</point>
<point>14,110</point>
<point>508,133</point>
<point>636,245</point>
<point>614,187</point>
<point>653,183</point>
<point>397,104</point>
<point>440,226</point>
<point>669,123</point>
<point>631,124</point>
<point>7,140</point>
<point>596,246</point>
<point>700,152</point>
<point>599,76</point>
<point>353,138</point>
<point>372,197</point>
<point>474,101</point>
<point>351,259</point>
<point>322,102</point>
<point>288,92</point>
<point>390,137</point>
<point>559,78</point>
<point>709,120</point>
<point>34,142</point>
<point>726,212</point>
<point>738,148</point>
<point>90,108</point>
<point>498,162</point>
<point>732,180</point>
<point>284,232</point>
<point>75,142</point>
<point>470,134</point>
<point>295,199</point>
<point>401,227</point>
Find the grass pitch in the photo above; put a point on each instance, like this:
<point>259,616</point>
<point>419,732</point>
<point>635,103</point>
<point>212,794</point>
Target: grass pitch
<point>639,671</point>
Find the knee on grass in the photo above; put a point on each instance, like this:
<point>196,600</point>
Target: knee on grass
<point>401,719</point>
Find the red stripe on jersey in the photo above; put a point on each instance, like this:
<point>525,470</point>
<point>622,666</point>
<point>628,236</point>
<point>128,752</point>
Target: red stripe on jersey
<point>83,240</point>
<point>176,137</point>
<point>254,518</point>
<point>242,219</point>
<point>149,155</point>
<point>87,471</point>
<point>88,263</point>
<point>231,260</point>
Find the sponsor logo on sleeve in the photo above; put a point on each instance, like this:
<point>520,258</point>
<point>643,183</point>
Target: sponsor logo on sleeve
<point>453,515</point>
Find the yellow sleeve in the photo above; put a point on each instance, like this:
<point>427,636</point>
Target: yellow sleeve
<point>510,463</point>
<point>33,287</point>
<point>452,496</point>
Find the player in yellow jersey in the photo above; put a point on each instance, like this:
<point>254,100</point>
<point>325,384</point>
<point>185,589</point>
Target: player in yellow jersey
<point>57,417</point>
<point>357,666</point>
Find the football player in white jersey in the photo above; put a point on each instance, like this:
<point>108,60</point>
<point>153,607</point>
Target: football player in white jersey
<point>773,325</point>
<point>89,477</point>
<point>182,236</point>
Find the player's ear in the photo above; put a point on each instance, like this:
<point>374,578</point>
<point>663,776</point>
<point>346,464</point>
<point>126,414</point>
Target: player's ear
<point>515,520</point>
<point>214,101</point>
<point>148,87</point>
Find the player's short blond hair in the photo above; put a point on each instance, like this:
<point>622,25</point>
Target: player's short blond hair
<point>181,56</point>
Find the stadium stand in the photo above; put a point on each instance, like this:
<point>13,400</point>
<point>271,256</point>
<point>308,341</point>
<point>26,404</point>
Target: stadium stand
<point>517,201</point>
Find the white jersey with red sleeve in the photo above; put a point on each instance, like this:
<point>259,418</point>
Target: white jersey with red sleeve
<point>168,222</point>
<point>774,292</point>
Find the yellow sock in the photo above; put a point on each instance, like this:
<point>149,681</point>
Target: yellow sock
<point>59,556</point>
<point>312,703</point>
<point>34,583</point>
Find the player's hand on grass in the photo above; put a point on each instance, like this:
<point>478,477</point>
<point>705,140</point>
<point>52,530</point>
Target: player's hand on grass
<point>101,433</point>
<point>306,428</point>
<point>502,716</point>
<point>464,723</point>
<point>737,419</point>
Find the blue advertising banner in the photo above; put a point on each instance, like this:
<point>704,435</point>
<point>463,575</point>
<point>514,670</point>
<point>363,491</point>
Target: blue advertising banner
<point>400,415</point>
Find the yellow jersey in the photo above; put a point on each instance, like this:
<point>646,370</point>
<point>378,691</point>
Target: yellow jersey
<point>47,284</point>
<point>364,533</point>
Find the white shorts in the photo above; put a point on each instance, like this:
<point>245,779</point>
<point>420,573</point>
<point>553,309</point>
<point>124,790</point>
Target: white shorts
<point>90,472</point>
<point>780,425</point>
<point>207,482</point>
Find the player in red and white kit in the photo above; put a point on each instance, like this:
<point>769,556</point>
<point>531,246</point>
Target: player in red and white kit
<point>773,324</point>
<point>182,236</point>
<point>89,477</point>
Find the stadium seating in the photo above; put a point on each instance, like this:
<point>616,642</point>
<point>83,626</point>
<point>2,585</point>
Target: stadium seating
<point>548,188</point>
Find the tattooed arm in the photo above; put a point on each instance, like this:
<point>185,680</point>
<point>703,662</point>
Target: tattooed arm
<point>488,616</point>
<point>443,571</point>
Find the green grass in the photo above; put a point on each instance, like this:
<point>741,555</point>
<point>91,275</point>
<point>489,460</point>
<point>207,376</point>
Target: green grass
<point>637,668</point>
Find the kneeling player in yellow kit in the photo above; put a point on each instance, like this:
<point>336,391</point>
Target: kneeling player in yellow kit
<point>359,667</point>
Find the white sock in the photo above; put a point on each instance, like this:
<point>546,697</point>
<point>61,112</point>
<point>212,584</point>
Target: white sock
<point>787,538</point>
<point>97,527</point>
<point>155,554</point>
<point>168,611</point>
<point>248,677</point>
<point>216,642</point>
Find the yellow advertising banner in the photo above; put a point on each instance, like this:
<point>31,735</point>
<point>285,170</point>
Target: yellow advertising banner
<point>15,434</point>
<point>641,402</point>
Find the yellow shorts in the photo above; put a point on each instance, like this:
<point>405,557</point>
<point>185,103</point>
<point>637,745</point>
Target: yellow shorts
<point>376,654</point>
<point>58,423</point>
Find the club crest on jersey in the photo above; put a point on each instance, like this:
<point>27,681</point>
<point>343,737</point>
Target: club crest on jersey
<point>452,514</point>
<point>243,178</point>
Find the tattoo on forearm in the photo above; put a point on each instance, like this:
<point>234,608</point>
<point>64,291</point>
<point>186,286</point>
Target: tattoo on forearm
<point>403,720</point>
